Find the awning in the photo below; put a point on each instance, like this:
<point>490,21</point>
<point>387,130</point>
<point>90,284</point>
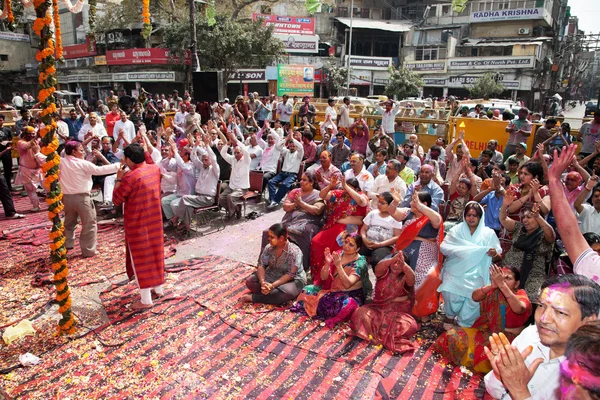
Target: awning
<point>390,26</point>
<point>487,43</point>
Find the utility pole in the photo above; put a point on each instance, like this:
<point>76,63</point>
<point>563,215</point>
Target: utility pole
<point>350,47</point>
<point>195,62</point>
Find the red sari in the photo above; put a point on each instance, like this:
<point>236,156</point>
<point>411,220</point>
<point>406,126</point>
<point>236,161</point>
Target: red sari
<point>386,322</point>
<point>339,206</point>
<point>464,346</point>
<point>144,242</point>
<point>427,298</point>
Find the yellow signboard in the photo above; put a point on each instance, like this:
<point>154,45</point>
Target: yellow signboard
<point>100,60</point>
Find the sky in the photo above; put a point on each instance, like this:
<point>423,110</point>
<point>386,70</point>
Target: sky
<point>588,12</point>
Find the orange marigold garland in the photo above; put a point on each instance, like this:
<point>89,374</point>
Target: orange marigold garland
<point>147,28</point>
<point>57,33</point>
<point>47,84</point>
<point>10,17</point>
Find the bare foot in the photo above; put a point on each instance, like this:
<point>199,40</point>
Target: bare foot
<point>138,305</point>
<point>247,298</point>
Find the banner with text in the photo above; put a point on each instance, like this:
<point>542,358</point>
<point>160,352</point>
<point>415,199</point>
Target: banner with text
<point>507,15</point>
<point>381,63</point>
<point>426,67</point>
<point>293,25</point>
<point>141,56</point>
<point>78,51</point>
<point>491,62</point>
<point>295,80</point>
<point>299,43</point>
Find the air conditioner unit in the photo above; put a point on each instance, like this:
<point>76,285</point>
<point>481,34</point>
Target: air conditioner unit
<point>523,31</point>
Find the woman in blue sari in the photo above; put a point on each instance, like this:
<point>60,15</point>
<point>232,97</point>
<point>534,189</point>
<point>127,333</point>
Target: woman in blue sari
<point>469,248</point>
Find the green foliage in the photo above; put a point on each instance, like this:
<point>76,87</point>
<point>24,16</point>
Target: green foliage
<point>227,45</point>
<point>486,87</point>
<point>403,83</point>
<point>128,14</point>
<point>337,74</point>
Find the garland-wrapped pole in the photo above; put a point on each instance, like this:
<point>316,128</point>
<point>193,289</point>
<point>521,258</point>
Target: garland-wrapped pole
<point>47,84</point>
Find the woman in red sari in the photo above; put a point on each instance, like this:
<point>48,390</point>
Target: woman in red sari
<point>345,212</point>
<point>387,320</point>
<point>420,240</point>
<point>504,308</point>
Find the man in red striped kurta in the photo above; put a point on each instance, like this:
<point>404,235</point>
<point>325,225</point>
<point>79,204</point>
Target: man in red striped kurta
<point>139,189</point>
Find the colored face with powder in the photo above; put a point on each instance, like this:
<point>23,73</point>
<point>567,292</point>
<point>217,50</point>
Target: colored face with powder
<point>557,316</point>
<point>275,240</point>
<point>574,380</point>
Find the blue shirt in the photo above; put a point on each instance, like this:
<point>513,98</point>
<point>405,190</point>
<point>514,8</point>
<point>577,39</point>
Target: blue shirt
<point>381,169</point>
<point>492,211</point>
<point>74,126</point>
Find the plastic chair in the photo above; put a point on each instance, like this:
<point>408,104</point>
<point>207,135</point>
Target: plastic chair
<point>200,212</point>
<point>255,191</point>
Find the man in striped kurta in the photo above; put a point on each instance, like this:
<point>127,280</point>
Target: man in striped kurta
<point>139,189</point>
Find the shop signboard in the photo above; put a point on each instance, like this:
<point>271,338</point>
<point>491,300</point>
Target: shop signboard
<point>140,56</point>
<point>249,75</point>
<point>434,82</point>
<point>426,67</point>
<point>466,80</point>
<point>299,43</point>
<point>100,60</point>
<point>16,37</point>
<point>371,63</point>
<point>491,62</point>
<point>78,51</point>
<point>285,25</point>
<point>295,80</point>
<point>507,15</point>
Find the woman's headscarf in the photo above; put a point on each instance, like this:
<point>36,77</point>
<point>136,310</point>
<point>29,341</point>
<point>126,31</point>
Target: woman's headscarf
<point>466,254</point>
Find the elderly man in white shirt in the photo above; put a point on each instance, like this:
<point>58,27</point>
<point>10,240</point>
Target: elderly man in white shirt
<point>388,115</point>
<point>186,181</point>
<point>388,181</point>
<point>357,170</point>
<point>270,156</point>
<point>280,184</point>
<point>206,185</point>
<point>529,367</point>
<point>255,152</point>
<point>239,181</point>
<point>94,127</point>
<point>76,182</point>
<point>124,127</point>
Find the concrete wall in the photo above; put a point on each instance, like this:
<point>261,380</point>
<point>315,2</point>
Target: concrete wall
<point>19,54</point>
<point>502,29</point>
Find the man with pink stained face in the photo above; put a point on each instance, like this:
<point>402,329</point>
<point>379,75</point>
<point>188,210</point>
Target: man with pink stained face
<point>529,367</point>
<point>580,371</point>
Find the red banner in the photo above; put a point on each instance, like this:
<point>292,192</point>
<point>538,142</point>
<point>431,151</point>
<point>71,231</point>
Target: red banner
<point>293,25</point>
<point>140,56</point>
<point>78,51</point>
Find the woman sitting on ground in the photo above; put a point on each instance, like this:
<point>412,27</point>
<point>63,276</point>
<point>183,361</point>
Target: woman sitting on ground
<point>420,239</point>
<point>303,211</point>
<point>503,308</point>
<point>387,320</point>
<point>469,248</point>
<point>279,277</point>
<point>350,285</point>
<point>532,244</point>
<point>346,209</point>
<point>379,231</point>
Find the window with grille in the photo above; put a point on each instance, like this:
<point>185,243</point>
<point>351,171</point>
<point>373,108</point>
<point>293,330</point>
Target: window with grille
<point>430,53</point>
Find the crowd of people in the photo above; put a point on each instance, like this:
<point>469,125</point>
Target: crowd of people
<point>505,245</point>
